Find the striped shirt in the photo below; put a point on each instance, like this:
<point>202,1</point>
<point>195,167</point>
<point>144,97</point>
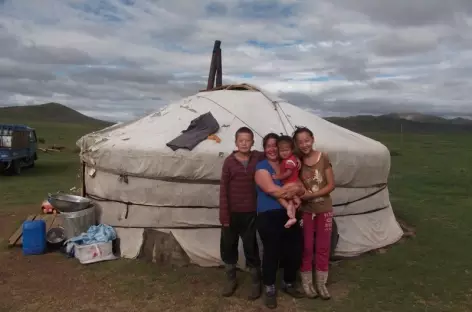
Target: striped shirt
<point>237,186</point>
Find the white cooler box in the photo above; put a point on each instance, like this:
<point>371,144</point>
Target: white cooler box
<point>94,252</point>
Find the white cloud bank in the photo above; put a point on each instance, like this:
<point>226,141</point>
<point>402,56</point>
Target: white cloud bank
<point>123,58</point>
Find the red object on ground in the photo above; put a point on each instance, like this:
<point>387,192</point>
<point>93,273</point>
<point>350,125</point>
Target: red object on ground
<point>47,208</point>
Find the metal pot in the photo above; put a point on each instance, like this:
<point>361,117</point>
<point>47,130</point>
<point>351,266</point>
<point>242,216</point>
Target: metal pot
<point>76,223</point>
<point>56,236</point>
<point>68,203</point>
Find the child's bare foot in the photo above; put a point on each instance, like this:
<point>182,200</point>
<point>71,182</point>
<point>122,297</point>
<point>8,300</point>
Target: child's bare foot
<point>290,222</point>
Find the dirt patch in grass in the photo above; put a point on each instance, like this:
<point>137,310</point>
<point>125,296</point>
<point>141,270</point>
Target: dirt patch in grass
<point>53,282</point>
<point>11,218</point>
<point>340,290</point>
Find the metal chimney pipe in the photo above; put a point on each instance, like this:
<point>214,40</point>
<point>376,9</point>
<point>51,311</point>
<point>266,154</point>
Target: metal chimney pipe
<point>213,65</point>
<point>219,69</point>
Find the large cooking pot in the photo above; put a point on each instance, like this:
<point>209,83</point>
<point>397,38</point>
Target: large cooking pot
<point>68,203</point>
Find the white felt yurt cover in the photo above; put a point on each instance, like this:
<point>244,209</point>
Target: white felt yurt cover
<point>138,182</point>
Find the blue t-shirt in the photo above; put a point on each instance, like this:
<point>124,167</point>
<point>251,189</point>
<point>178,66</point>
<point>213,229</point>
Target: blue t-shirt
<point>266,202</point>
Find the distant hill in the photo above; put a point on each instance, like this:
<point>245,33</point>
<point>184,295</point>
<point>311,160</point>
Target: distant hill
<point>49,112</point>
<point>412,123</point>
<point>430,118</point>
<point>406,122</point>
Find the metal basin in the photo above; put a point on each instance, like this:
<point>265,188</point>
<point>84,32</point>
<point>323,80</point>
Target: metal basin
<point>56,235</point>
<point>69,203</point>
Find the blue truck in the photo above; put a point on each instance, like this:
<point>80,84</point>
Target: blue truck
<point>18,148</point>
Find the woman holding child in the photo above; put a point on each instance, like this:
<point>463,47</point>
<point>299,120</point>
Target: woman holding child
<point>280,238</point>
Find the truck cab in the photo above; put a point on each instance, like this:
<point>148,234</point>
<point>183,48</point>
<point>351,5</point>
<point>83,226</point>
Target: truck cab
<point>18,148</point>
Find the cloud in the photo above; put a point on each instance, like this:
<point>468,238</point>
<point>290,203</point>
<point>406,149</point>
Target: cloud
<point>34,54</point>
<point>120,59</point>
<point>406,42</point>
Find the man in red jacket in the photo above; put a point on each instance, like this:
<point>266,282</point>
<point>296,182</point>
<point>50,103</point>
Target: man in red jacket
<point>238,212</point>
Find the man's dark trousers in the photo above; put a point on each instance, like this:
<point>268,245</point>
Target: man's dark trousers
<point>242,224</point>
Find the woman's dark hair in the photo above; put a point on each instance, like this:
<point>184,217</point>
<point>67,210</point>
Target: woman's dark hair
<point>285,139</point>
<point>268,137</point>
<point>300,130</point>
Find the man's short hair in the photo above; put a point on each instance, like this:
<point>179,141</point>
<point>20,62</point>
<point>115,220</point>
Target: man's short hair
<point>244,130</point>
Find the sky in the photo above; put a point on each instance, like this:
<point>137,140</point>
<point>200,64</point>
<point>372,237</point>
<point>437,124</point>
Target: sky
<point>121,59</point>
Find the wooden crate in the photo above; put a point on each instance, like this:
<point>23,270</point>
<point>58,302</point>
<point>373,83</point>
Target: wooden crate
<point>16,239</point>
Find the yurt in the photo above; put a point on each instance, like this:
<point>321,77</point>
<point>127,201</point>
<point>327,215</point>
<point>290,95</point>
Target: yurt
<point>160,174</point>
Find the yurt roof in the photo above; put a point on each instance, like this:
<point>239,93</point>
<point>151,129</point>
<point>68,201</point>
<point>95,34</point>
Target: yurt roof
<point>139,147</point>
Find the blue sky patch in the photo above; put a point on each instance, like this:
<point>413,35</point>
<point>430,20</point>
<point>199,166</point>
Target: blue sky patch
<point>128,2</point>
<point>385,76</point>
<point>265,9</point>
<point>99,8</point>
<point>245,76</point>
<point>267,45</point>
<point>323,78</point>
<point>176,47</point>
<point>216,9</point>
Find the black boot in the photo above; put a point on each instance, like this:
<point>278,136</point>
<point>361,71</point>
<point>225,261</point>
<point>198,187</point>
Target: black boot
<point>255,284</point>
<point>230,285</point>
<point>270,299</point>
<point>291,290</point>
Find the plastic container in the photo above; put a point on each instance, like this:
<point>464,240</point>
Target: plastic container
<point>34,237</point>
<point>76,223</point>
<point>94,252</point>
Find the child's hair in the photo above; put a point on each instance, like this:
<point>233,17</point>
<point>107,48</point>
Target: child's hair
<point>300,130</point>
<point>285,139</point>
<point>244,130</point>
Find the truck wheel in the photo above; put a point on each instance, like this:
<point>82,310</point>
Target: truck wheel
<point>10,168</point>
<point>16,167</point>
<point>31,162</point>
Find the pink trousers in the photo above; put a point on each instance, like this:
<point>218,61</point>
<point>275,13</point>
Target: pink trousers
<point>321,224</point>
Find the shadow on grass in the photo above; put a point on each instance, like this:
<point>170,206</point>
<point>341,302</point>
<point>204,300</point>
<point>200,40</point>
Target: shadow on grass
<point>45,168</point>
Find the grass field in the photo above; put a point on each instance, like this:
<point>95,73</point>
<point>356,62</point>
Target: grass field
<point>431,188</point>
